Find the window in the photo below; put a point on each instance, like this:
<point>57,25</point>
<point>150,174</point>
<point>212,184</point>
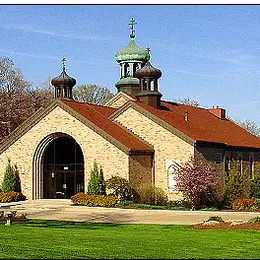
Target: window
<point>240,164</point>
<point>227,165</point>
<point>218,158</point>
<point>172,167</point>
<point>251,165</point>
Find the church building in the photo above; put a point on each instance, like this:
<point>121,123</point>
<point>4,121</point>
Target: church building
<point>136,135</point>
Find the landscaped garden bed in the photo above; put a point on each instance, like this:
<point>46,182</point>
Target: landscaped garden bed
<point>228,226</point>
<point>216,222</point>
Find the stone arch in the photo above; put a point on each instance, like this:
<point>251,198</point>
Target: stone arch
<point>38,163</point>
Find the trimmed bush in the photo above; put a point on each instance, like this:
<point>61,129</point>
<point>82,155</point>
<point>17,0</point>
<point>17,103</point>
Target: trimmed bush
<point>150,195</point>
<point>11,196</point>
<point>93,200</point>
<point>120,187</point>
<point>244,204</point>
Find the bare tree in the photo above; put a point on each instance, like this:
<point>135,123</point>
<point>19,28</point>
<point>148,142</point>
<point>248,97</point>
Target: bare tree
<point>14,103</point>
<point>92,94</point>
<point>250,126</point>
<point>41,95</point>
<point>188,101</point>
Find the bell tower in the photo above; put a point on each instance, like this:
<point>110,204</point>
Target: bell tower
<point>130,59</point>
<point>63,83</point>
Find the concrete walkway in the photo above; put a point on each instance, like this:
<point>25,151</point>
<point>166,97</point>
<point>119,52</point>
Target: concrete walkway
<point>64,210</point>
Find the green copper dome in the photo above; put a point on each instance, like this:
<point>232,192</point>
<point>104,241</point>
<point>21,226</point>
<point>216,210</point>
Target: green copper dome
<point>132,53</point>
<point>128,81</point>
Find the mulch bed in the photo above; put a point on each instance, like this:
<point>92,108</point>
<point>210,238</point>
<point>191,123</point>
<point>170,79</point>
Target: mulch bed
<point>228,226</point>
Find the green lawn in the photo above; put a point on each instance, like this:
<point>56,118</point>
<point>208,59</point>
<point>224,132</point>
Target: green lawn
<point>52,239</point>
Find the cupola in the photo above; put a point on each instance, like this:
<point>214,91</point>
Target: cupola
<point>130,59</point>
<point>63,83</point>
<point>148,80</point>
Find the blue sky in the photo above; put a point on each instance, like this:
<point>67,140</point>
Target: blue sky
<point>210,53</point>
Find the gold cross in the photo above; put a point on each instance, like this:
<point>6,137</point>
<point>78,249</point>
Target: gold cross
<point>63,63</point>
<point>132,27</point>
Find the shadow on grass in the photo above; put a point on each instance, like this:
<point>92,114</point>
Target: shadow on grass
<point>65,224</point>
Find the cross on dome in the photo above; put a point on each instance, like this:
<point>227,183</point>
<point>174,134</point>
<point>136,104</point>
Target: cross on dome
<point>63,63</point>
<point>132,27</point>
<point>148,50</point>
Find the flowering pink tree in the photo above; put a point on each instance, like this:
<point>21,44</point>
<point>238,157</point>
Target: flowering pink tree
<point>197,179</point>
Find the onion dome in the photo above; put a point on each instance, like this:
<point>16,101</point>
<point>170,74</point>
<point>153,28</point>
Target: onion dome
<point>63,84</point>
<point>132,53</point>
<point>148,71</point>
<point>63,80</point>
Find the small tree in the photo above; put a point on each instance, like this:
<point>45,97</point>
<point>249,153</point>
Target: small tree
<point>256,187</point>
<point>101,183</point>
<point>198,179</point>
<point>237,185</point>
<point>96,182</point>
<point>11,178</point>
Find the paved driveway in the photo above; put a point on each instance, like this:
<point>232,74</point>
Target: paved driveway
<point>64,210</point>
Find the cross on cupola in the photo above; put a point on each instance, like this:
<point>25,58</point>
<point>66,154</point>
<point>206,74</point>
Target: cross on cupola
<point>63,63</point>
<point>148,50</point>
<point>63,84</point>
<point>130,59</point>
<point>132,27</point>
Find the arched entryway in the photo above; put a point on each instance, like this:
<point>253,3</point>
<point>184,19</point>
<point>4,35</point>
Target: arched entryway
<point>58,168</point>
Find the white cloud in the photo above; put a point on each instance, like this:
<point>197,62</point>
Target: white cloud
<point>30,29</point>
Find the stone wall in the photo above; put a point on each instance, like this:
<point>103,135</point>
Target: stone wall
<point>141,170</point>
<point>112,160</point>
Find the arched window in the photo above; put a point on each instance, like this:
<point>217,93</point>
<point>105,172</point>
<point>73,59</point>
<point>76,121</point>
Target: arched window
<point>127,70</point>
<point>152,85</point>
<point>172,169</point>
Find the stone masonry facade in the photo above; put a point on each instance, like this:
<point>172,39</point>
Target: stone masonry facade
<point>94,147</point>
<point>166,145</point>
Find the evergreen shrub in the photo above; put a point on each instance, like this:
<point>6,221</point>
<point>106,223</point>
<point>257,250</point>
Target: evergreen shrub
<point>238,185</point>
<point>11,180</point>
<point>256,187</point>
<point>96,183</point>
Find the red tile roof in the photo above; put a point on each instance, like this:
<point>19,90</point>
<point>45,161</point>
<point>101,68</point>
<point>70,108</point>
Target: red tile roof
<point>98,115</point>
<point>203,125</point>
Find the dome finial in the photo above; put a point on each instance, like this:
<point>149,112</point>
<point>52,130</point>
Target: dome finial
<point>132,28</point>
<point>148,50</point>
<point>63,63</point>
